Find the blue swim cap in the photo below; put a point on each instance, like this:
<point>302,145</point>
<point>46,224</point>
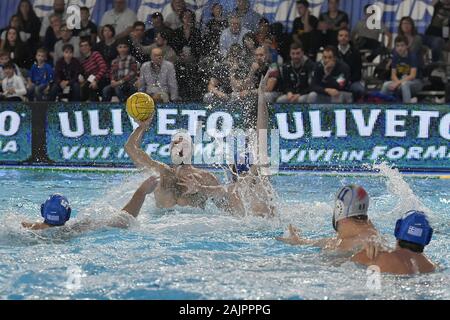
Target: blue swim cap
<point>414,227</point>
<point>56,210</point>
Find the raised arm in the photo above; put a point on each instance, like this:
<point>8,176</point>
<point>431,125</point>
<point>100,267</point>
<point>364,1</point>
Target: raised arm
<point>137,155</point>
<point>192,185</point>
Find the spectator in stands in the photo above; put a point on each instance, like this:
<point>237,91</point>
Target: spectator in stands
<point>18,52</point>
<point>94,71</point>
<point>233,34</point>
<point>249,46</point>
<point>123,74</point>
<point>161,42</point>
<point>108,46</point>
<point>66,38</point>
<point>365,38</point>
<point>58,10</point>
<point>67,75</point>
<point>405,72</point>
<point>31,23</point>
<point>294,78</point>
<point>262,32</point>
<point>331,21</point>
<point>120,17</point>
<point>157,26</point>
<point>158,79</point>
<point>88,27</point>
<point>440,24</point>
<point>214,28</point>
<point>281,39</point>
<point>219,86</point>
<point>53,34</point>
<point>13,87</point>
<point>5,57</point>
<point>16,23</point>
<point>137,42</point>
<point>249,18</point>
<point>352,57</point>
<point>407,28</point>
<point>188,76</point>
<point>188,38</point>
<point>40,77</point>
<point>172,16</point>
<point>304,29</point>
<point>331,79</point>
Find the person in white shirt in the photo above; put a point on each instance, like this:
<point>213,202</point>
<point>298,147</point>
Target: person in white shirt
<point>13,85</point>
<point>231,35</point>
<point>172,14</point>
<point>59,8</point>
<point>120,17</point>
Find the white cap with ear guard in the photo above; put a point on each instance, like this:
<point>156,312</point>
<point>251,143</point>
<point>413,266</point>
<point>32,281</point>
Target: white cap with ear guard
<point>351,201</point>
<point>181,148</point>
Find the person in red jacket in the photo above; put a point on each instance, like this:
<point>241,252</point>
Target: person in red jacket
<point>94,72</point>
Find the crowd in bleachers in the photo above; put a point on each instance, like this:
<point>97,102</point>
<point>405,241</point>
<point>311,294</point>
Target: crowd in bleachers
<point>179,59</point>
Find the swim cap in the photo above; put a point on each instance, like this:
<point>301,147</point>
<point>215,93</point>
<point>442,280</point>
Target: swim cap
<point>181,148</point>
<point>351,200</point>
<point>414,227</point>
<point>56,210</point>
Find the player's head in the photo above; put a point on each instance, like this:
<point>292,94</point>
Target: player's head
<point>56,210</point>
<point>350,206</point>
<point>181,148</point>
<point>413,231</point>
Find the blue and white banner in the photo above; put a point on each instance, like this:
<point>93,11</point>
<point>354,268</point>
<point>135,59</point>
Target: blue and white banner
<point>275,10</point>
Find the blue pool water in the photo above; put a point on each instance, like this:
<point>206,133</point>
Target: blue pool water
<point>191,254</point>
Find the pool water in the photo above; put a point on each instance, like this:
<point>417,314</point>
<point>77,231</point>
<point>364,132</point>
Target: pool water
<point>187,253</point>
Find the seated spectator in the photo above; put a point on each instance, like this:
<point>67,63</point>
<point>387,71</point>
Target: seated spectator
<point>88,27</point>
<point>161,42</point>
<point>94,71</point>
<point>294,78</point>
<point>158,79</point>
<point>53,35</point>
<point>108,46</point>
<point>214,28</point>
<point>120,17</point>
<point>304,30</point>
<point>123,74</point>
<point>281,40</point>
<point>272,55</point>
<point>172,15</point>
<point>365,38</point>
<point>157,26</point>
<point>18,51</point>
<point>16,23</point>
<point>67,75</point>
<point>405,75</point>
<point>331,79</point>
<point>219,86</point>
<point>249,18</point>
<point>348,54</point>
<point>40,77</point>
<point>13,87</point>
<point>59,9</point>
<point>330,22</point>
<point>138,43</point>
<point>407,28</point>
<point>31,23</point>
<point>249,46</point>
<point>4,59</point>
<point>434,35</point>
<point>188,36</point>
<point>233,34</point>
<point>66,38</point>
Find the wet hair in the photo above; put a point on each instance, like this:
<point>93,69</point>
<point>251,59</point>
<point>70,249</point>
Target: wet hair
<point>68,47</point>
<point>411,246</point>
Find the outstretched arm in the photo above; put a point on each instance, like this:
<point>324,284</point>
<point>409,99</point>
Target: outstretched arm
<point>134,150</point>
<point>137,200</point>
<point>295,239</point>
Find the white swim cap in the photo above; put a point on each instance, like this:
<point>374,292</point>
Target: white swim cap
<point>181,148</point>
<point>351,201</point>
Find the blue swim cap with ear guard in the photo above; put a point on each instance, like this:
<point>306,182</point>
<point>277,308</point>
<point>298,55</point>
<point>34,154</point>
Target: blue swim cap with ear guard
<point>56,210</point>
<point>414,227</point>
